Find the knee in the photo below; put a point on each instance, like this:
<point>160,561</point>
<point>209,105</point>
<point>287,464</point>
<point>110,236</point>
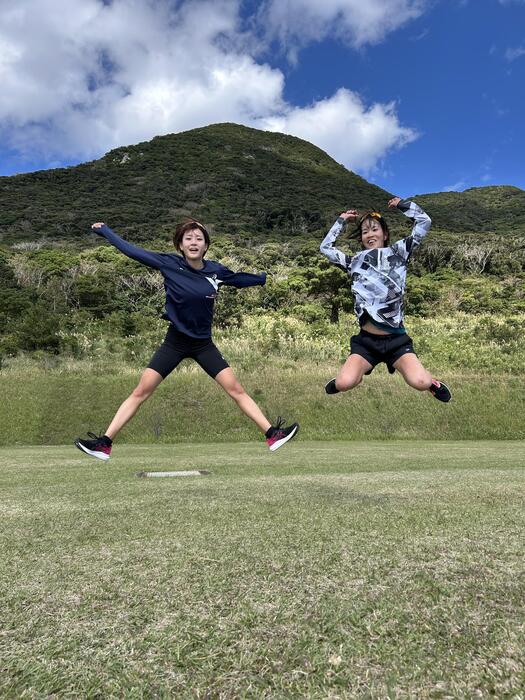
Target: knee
<point>142,392</point>
<point>235,390</point>
<point>420,382</point>
<point>348,382</point>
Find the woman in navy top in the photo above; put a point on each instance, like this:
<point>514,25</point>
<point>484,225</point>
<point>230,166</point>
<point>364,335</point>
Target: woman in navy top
<point>192,285</point>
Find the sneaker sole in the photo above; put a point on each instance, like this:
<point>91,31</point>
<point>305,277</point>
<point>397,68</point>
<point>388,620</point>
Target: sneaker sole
<point>99,455</point>
<point>331,393</point>
<point>443,400</point>
<point>284,440</point>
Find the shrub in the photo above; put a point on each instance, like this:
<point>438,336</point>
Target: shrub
<point>38,329</point>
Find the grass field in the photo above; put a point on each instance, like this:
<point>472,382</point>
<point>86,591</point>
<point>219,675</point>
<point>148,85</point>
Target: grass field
<point>325,570</point>
<point>52,409</point>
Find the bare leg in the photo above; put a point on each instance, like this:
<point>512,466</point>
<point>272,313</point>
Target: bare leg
<point>233,388</point>
<point>148,383</point>
<point>413,372</point>
<point>352,372</point>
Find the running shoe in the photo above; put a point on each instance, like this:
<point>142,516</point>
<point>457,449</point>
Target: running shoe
<point>98,446</point>
<point>279,435</point>
<point>440,391</point>
<point>331,388</point>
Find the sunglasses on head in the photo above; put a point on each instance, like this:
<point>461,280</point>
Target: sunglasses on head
<point>368,214</point>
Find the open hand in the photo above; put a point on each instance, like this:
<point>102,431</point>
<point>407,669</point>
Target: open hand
<point>96,227</point>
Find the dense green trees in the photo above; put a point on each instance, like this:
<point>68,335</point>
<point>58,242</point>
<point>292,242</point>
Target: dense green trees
<point>48,293</point>
<point>268,200</point>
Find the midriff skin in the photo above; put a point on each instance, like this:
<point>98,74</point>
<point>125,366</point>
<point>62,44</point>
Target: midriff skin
<point>370,328</point>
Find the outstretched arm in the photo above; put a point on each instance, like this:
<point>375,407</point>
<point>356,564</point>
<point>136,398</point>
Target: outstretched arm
<point>240,279</point>
<point>327,246</point>
<point>422,223</point>
<point>146,257</point>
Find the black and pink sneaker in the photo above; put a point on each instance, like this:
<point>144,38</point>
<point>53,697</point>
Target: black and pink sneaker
<point>98,446</point>
<point>440,391</point>
<point>277,436</point>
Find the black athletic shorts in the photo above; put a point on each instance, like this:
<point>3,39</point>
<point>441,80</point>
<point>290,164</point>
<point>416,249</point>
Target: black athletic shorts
<point>381,348</point>
<point>177,346</point>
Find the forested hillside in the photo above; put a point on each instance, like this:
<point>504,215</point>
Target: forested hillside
<point>494,209</point>
<point>268,200</point>
<point>234,178</point>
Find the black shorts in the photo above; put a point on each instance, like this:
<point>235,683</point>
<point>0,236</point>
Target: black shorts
<point>177,346</point>
<point>381,348</point>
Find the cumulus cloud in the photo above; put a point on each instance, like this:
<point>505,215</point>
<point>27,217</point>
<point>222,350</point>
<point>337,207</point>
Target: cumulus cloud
<point>298,22</point>
<point>82,76</point>
<point>87,75</point>
<point>344,126</point>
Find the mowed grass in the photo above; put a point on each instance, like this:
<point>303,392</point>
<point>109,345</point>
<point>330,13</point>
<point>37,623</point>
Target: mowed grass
<point>325,570</point>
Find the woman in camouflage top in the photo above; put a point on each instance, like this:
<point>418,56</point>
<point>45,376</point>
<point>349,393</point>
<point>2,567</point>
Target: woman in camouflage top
<point>378,275</point>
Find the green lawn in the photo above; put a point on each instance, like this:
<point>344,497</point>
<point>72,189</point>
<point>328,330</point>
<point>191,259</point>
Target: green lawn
<point>325,570</point>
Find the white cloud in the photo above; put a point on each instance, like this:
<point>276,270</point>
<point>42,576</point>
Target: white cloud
<point>458,186</point>
<point>89,76</point>
<point>342,125</point>
<point>513,54</point>
<point>299,22</point>
<point>421,35</point>
<point>80,77</point>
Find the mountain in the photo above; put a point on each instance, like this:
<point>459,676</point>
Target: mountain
<point>231,177</point>
<point>497,209</point>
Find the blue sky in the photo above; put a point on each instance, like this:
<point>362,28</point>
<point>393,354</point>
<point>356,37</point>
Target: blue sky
<point>414,95</point>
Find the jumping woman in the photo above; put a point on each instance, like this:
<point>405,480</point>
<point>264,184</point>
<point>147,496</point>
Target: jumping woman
<point>192,284</point>
<point>378,275</point>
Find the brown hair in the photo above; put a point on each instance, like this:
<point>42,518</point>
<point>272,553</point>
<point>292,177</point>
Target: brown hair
<point>372,216</point>
<point>188,225</point>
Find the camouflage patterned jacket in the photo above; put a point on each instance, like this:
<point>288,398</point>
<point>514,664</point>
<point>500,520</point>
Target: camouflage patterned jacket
<point>379,275</point>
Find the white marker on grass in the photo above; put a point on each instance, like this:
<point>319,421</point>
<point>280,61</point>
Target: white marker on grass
<point>187,472</point>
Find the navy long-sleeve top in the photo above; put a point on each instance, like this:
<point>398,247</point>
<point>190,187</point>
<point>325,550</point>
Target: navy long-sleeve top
<point>190,293</point>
